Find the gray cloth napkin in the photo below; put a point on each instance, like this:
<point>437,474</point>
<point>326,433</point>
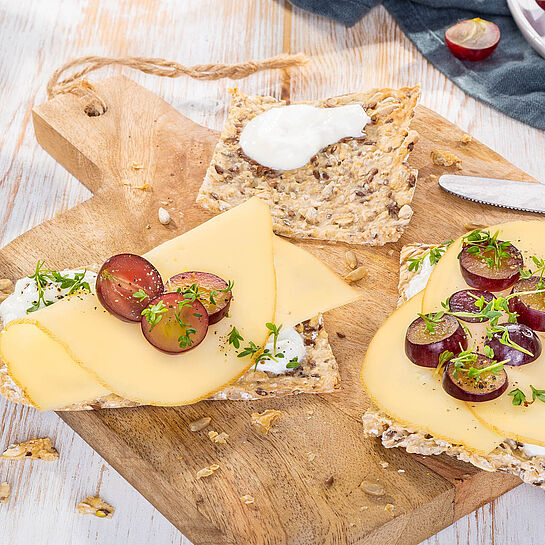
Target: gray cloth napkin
<point>511,80</point>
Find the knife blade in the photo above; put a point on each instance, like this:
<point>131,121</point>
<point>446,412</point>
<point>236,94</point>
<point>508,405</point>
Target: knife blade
<point>525,196</point>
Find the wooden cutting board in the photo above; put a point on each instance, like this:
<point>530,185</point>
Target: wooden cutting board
<point>141,139</point>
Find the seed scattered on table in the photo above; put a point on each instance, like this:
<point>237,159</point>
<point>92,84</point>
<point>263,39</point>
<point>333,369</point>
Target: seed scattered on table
<point>247,499</point>
<point>466,138</point>
<point>356,274</point>
<point>200,424</point>
<point>389,508</point>
<point>216,437</point>
<point>384,465</point>
<point>207,471</point>
<point>351,259</point>
<point>373,489</point>
<point>444,158</point>
<point>164,216</point>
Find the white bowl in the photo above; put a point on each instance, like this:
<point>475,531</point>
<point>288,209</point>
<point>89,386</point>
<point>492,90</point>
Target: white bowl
<point>530,19</point>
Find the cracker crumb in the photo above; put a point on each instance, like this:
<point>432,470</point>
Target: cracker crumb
<point>329,481</point>
<point>444,158</point>
<point>164,216</point>
<point>93,505</point>
<point>32,449</point>
<point>401,471</point>
<point>310,412</point>
<point>466,138</point>
<point>351,259</point>
<point>207,471</point>
<point>200,424</point>
<point>352,524</point>
<point>364,508</point>
<point>433,177</point>
<point>5,491</point>
<point>137,166</point>
<point>384,465</point>
<point>311,456</point>
<point>216,437</point>
<point>142,187</point>
<point>265,420</point>
<point>341,335</point>
<point>389,508</point>
<point>6,288</point>
<point>180,457</point>
<point>148,226</point>
<point>356,274</point>
<point>247,499</point>
<point>390,252</point>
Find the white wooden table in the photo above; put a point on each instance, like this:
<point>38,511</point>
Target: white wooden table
<point>36,38</point>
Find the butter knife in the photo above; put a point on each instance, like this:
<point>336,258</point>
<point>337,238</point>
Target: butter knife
<point>525,196</point>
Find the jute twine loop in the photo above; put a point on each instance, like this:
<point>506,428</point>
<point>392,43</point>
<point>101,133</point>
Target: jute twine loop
<point>160,67</point>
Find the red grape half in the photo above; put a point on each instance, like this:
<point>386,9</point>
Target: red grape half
<point>523,336</point>
<point>473,39</point>
<point>126,283</point>
<point>173,324</point>
<point>478,274</point>
<point>488,387</point>
<point>211,290</point>
<point>464,301</point>
<point>541,3</point>
<point>424,348</point>
<point>530,308</point>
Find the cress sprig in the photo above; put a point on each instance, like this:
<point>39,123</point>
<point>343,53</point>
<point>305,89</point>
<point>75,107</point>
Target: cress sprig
<point>481,242</point>
<point>434,254</point>
<point>463,363</point>
<point>540,264</point>
<point>519,397</point>
<point>43,276</point>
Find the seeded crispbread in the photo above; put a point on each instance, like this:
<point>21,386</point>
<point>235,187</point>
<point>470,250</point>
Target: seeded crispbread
<point>318,373</point>
<point>508,457</point>
<point>358,190</point>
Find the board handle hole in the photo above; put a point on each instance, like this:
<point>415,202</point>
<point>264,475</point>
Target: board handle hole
<point>95,108</point>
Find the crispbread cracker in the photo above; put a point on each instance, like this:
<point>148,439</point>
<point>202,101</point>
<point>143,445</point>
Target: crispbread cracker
<point>358,190</point>
<point>508,457</point>
<point>318,373</point>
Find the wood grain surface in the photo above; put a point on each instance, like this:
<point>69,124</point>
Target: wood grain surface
<point>374,43</point>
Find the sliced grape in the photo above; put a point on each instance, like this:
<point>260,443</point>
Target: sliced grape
<point>126,283</point>
<point>531,307</point>
<point>520,335</point>
<point>211,290</point>
<point>489,385</point>
<point>424,348</point>
<point>478,274</point>
<point>173,324</point>
<point>464,301</point>
<point>472,39</point>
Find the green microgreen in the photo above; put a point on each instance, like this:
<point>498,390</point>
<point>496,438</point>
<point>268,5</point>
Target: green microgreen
<point>432,320</point>
<point>481,243</point>
<point>433,255</point>
<point>293,363</point>
<point>140,294</point>
<point>154,313</point>
<point>214,293</point>
<point>234,337</point>
<point>540,271</point>
<point>519,397</point>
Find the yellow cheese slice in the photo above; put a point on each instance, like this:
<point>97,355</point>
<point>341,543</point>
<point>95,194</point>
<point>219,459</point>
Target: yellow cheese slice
<point>446,278</point>
<point>411,395</point>
<point>44,369</point>
<point>525,424</point>
<point>237,246</point>
<point>305,285</point>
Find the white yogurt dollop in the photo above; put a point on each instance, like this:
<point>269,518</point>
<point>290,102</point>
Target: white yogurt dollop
<point>287,137</point>
<point>289,343</point>
<point>26,294</point>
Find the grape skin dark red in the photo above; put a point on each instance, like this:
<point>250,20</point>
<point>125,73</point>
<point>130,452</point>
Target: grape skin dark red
<point>467,389</point>
<point>478,275</point>
<point>456,38</point>
<point>422,349</point>
<point>526,306</point>
<point>464,301</point>
<point>120,277</point>
<point>523,336</point>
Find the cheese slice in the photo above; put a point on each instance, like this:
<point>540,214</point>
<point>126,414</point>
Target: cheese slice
<point>44,369</point>
<point>525,424</point>
<point>446,278</point>
<point>237,246</point>
<point>306,285</point>
<point>412,395</point>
